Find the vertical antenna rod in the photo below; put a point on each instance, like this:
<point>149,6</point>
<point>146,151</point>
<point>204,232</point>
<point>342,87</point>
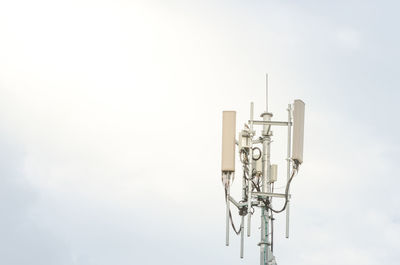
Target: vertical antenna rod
<point>289,148</point>
<point>228,176</point>
<point>266,92</point>
<point>250,169</point>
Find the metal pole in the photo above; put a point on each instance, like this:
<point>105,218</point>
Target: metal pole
<point>227,209</point>
<point>266,212</point>
<point>265,167</point>
<point>262,249</point>
<point>266,92</point>
<point>242,219</point>
<point>289,147</point>
<point>265,187</point>
<point>250,169</point>
<point>242,237</point>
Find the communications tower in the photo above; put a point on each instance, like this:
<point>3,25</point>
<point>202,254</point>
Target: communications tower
<point>259,175</point>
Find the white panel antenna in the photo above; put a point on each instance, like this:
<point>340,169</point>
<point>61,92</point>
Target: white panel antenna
<point>274,174</point>
<point>228,141</point>
<point>298,131</point>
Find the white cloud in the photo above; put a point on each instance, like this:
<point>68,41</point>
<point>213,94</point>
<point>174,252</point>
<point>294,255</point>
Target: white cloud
<point>117,109</point>
<point>348,38</point>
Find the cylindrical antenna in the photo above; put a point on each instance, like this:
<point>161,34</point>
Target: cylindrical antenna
<point>266,92</point>
<point>228,175</point>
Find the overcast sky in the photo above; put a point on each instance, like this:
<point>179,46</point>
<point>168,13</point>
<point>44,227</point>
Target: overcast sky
<point>110,128</point>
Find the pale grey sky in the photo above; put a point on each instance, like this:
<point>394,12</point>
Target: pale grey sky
<point>110,127</point>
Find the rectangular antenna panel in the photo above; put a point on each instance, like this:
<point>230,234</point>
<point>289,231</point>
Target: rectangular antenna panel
<point>257,166</point>
<point>274,173</point>
<point>298,130</point>
<point>244,139</point>
<point>228,140</point>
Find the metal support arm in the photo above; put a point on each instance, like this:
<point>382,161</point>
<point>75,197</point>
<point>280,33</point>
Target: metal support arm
<point>276,123</point>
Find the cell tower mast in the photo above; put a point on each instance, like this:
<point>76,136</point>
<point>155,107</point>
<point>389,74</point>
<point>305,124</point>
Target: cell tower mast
<point>259,175</point>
